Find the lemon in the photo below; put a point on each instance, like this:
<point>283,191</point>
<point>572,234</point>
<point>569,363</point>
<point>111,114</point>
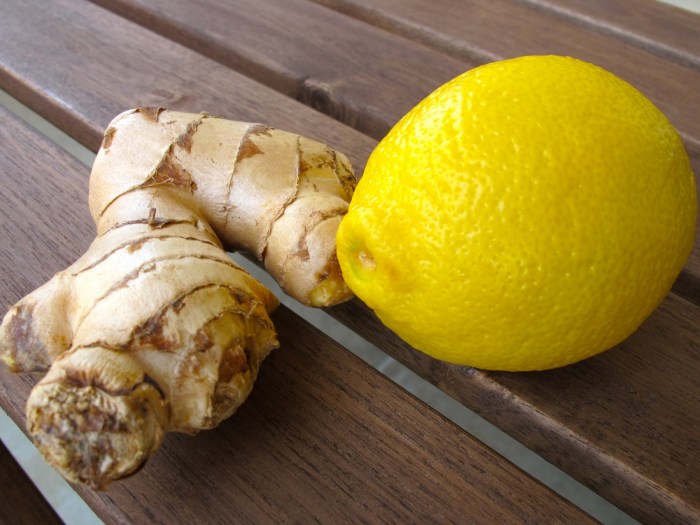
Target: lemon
<point>526,215</point>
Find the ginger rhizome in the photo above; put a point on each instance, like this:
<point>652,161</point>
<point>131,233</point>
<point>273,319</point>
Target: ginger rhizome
<point>155,328</point>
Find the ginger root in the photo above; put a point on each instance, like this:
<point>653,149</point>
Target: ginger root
<point>155,328</point>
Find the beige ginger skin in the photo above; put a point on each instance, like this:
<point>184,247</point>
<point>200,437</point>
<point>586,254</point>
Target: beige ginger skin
<point>155,328</point>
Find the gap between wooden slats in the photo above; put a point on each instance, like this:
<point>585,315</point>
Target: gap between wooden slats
<point>666,30</point>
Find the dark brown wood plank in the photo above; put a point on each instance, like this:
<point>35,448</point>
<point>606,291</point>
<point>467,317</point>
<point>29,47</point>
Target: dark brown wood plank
<point>329,61</point>
<point>132,77</point>
<point>667,30</point>
<point>485,30</point>
<point>324,437</point>
<point>79,66</point>
<point>20,501</point>
<point>625,423</point>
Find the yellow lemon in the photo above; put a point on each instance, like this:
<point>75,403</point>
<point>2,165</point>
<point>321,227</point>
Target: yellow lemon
<point>526,215</point>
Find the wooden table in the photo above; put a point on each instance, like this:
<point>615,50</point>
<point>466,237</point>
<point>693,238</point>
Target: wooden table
<point>325,437</point>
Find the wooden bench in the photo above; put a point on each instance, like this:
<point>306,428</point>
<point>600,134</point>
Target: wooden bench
<point>325,437</point>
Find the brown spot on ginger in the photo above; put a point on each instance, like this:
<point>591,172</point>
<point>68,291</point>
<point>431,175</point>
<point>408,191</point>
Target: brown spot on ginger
<point>138,244</point>
<point>202,341</point>
<point>233,362</point>
<point>169,172</point>
<point>151,113</point>
<point>152,333</point>
<point>27,352</point>
<point>108,138</point>
<point>260,129</point>
<point>248,148</point>
<point>185,139</point>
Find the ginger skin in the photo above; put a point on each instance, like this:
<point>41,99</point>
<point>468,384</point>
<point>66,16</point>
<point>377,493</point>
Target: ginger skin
<point>155,328</point>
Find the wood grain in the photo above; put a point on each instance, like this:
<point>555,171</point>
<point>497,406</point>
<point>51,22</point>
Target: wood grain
<point>79,66</point>
<point>625,423</point>
<point>486,30</point>
<point>20,501</point>
<point>327,60</point>
<point>623,468</point>
<point>323,438</point>
<point>666,30</point>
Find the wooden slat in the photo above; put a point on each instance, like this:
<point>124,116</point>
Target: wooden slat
<point>485,30</point>
<point>324,437</point>
<point>664,29</point>
<point>80,66</point>
<point>306,51</point>
<point>20,501</point>
<point>625,423</point>
<point>131,77</point>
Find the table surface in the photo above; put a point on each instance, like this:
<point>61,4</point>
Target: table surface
<point>625,423</point>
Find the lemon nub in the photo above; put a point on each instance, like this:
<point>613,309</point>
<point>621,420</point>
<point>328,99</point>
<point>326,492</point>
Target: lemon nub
<point>366,260</point>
